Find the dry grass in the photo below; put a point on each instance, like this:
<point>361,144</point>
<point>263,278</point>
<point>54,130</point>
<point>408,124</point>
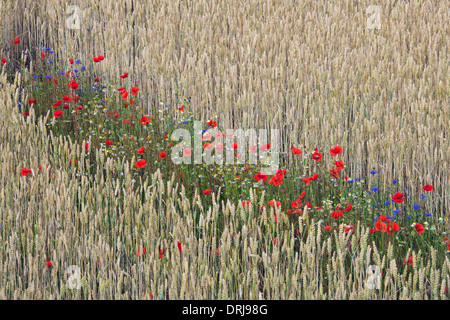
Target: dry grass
<point>311,69</point>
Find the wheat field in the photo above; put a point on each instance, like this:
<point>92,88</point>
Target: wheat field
<point>311,69</point>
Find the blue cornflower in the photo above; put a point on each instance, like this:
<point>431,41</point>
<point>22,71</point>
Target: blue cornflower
<point>394,181</point>
<point>35,76</point>
<point>48,49</point>
<point>423,196</point>
<point>387,203</point>
<point>388,216</point>
<point>396,211</point>
<point>408,217</point>
<point>51,51</point>
<point>62,73</point>
<point>49,77</point>
<point>373,172</point>
<point>75,70</point>
<point>350,180</point>
<point>375,188</point>
<point>20,104</point>
<point>358,179</point>
<point>428,214</point>
<point>374,207</point>
<point>50,61</point>
<point>416,207</point>
<point>83,68</point>
<point>77,61</point>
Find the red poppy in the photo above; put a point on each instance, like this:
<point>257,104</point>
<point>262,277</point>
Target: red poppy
<point>75,98</point>
<point>134,90</point>
<point>141,150</point>
<point>16,41</point>
<point>327,228</point>
<point>100,58</point>
<point>42,55</point>
<point>48,264</point>
<point>381,226</point>
<point>71,61</point>
<point>145,120</point>
<point>409,262</point>
<point>335,151</point>
<point>66,99</point>
<point>161,252</point>
<point>296,150</point>
<point>348,229</point>
<point>261,176</point>
<point>3,60</point>
<point>179,246</point>
<point>32,101</point>
<point>25,113</point>
<point>57,114</point>
<point>276,180</point>
<point>398,197</point>
<point>73,85</point>
<point>25,171</point>
<point>253,149</point>
<point>234,146</point>
<point>427,187</point>
<point>181,108</point>
<point>272,203</point>
<point>140,164</point>
<point>125,74</point>
<point>97,79</point>
<point>265,147</point>
<point>419,228</point>
<point>187,152</point>
<point>57,104</point>
<point>212,123</point>
<point>336,215</point>
<point>207,191</point>
<point>246,203</point>
<point>317,156</point>
<point>348,208</point>
<point>86,146</point>
<point>334,173</point>
<point>339,164</point>
<point>124,95</point>
<point>162,155</point>
<point>108,142</point>
<point>141,253</point>
<point>392,227</point>
<point>116,115</point>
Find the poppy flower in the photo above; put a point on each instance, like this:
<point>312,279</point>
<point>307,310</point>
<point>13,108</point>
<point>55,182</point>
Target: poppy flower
<point>75,98</point>
<point>246,203</point>
<point>125,74</point>
<point>144,120</point>
<point>348,229</point>
<point>71,61</point>
<point>43,55</point>
<point>317,156</point>
<point>48,264</point>
<point>57,104</point>
<point>408,262</point>
<point>16,41</point>
<point>212,123</point>
<point>392,227</point>
<point>66,99</point>
<point>141,253</point>
<point>25,171</point>
<point>32,101</point>
<point>398,197</point>
<point>381,226</point>
<point>100,58</point>
<point>265,147</point>
<point>108,142</point>
<point>252,149</point>
<point>86,146</point>
<point>207,191</point>
<point>296,150</point>
<point>124,95</point>
<point>141,150</point>
<point>187,152</point>
<point>134,90</point>
<point>140,164</point>
<point>276,180</point>
<point>335,151</point>
<point>3,60</point>
<point>419,228</point>
<point>272,203</point>
<point>334,173</point>
<point>336,215</point>
<point>73,85</point>
<point>25,113</point>
<point>162,155</point>
<point>339,164</point>
<point>161,252</point>
<point>427,187</point>
<point>327,228</point>
<point>179,246</point>
<point>181,108</point>
<point>57,114</point>
<point>348,208</point>
<point>234,146</point>
<point>116,115</point>
<point>261,176</point>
